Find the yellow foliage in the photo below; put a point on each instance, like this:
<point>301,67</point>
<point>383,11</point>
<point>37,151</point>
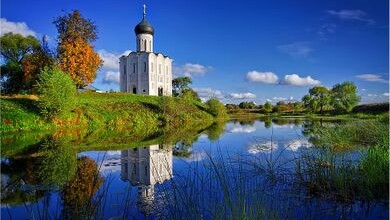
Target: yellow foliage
<point>79,60</point>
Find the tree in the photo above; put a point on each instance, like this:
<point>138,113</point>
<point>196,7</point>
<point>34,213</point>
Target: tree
<point>267,107</point>
<point>216,108</point>
<point>78,193</point>
<point>321,96</point>
<point>34,63</point>
<point>344,97</point>
<point>13,49</point>
<point>75,52</point>
<point>56,92</point>
<point>180,84</point>
<point>247,105</point>
<point>190,94</point>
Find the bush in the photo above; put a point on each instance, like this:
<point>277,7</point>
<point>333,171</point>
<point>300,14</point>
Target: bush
<point>56,92</point>
<point>216,108</point>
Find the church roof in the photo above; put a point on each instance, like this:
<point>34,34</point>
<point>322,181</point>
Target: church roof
<point>144,27</point>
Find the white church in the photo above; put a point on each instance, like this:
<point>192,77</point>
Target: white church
<point>144,71</point>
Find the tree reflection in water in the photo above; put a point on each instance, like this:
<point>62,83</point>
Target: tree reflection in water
<point>78,193</point>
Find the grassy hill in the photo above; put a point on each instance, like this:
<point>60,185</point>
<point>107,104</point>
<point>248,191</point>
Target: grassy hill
<point>119,111</point>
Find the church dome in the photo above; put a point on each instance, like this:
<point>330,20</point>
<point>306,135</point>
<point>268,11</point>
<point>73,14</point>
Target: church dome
<point>144,27</point>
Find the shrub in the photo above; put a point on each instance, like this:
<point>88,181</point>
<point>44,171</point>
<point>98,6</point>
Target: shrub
<point>56,92</point>
<point>216,108</point>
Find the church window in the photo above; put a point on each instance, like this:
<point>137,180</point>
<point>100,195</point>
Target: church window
<point>145,44</point>
<point>146,170</point>
<point>144,66</point>
<point>159,68</point>
<point>124,69</point>
<point>144,90</point>
<point>150,45</point>
<point>133,67</point>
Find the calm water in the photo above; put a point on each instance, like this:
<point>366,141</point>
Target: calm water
<point>240,166</point>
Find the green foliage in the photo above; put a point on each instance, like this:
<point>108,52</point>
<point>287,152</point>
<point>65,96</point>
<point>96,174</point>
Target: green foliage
<point>247,105</point>
<point>267,107</point>
<point>216,108</point>
<point>180,84</point>
<point>59,163</point>
<point>13,49</point>
<point>189,95</point>
<point>56,92</point>
<point>321,96</point>
<point>344,97</point>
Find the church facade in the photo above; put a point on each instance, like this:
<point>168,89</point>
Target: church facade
<point>143,71</point>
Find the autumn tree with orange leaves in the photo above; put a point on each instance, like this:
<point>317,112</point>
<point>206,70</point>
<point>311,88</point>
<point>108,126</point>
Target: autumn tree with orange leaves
<point>76,55</point>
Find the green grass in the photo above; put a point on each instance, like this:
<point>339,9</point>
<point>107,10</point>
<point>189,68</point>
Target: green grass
<point>109,110</point>
<point>330,173</point>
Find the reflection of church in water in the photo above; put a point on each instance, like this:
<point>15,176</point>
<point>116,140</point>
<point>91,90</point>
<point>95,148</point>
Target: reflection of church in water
<point>145,167</point>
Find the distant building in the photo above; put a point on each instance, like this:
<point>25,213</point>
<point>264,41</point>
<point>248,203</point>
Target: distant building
<point>144,71</point>
<point>89,88</point>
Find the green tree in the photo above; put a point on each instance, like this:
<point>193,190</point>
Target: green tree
<point>180,84</point>
<point>34,63</point>
<point>298,106</point>
<point>216,108</point>
<point>56,92</point>
<point>344,97</point>
<point>310,104</point>
<point>189,94</point>
<point>321,96</point>
<point>13,49</point>
<point>267,107</point>
<point>247,105</point>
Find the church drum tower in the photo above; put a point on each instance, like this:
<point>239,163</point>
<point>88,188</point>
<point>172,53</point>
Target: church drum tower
<point>144,71</point>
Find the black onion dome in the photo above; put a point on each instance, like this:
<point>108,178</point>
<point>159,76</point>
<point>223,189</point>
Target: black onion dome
<point>144,27</point>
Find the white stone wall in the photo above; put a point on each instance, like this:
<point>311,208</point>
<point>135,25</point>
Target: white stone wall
<point>147,165</point>
<point>147,73</point>
<point>145,42</point>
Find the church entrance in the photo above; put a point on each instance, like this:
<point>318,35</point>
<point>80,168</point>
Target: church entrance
<point>134,90</point>
<point>160,91</point>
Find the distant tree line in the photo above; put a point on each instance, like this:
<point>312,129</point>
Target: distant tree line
<point>341,98</point>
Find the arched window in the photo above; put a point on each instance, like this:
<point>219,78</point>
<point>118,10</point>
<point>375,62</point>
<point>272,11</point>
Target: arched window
<point>144,66</point>
<point>145,45</point>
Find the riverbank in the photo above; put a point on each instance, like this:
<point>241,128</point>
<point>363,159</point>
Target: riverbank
<point>119,111</point>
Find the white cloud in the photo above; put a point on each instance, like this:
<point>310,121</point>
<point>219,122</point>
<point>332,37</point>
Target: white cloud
<point>296,80</point>
<point>266,147</point>
<point>262,77</point>
<point>16,28</point>
<point>297,49</point>
<point>386,94</point>
<point>352,15</point>
<point>371,78</point>
<point>111,60</point>
<point>207,93</point>
<point>191,69</point>
<point>247,95</point>
<point>111,77</point>
<point>294,145</point>
<point>372,95</point>
<point>237,128</point>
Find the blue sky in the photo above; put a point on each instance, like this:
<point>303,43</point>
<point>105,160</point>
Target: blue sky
<point>236,50</point>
